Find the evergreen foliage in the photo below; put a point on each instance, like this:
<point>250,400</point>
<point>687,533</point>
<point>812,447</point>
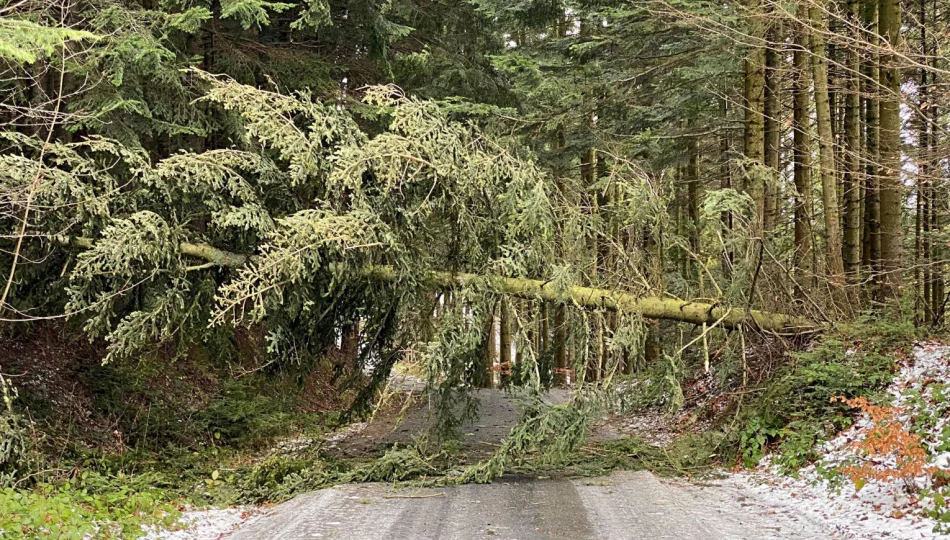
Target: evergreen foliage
<point>409,174</point>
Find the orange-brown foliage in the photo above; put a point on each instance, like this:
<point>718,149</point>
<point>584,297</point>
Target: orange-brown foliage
<point>887,437</point>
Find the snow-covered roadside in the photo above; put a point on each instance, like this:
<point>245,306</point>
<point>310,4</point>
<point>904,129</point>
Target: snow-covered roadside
<point>881,508</point>
<point>210,524</point>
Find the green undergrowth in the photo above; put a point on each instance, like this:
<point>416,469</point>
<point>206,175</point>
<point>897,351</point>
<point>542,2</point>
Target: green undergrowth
<point>98,451</point>
<point>71,511</point>
<point>793,413</point>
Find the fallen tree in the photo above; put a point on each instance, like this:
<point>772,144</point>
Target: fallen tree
<point>651,307</point>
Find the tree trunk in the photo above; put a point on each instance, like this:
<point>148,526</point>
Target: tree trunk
<point>925,181</point>
<point>595,368</point>
<point>482,373</point>
<point>544,337</point>
<point>614,300</point>
<point>754,93</point>
<point>805,271</point>
<point>725,182</point>
<point>773,124</point>
<point>826,152</point>
<point>560,345</point>
<point>852,177</point>
<point>492,352</point>
<point>890,149</point>
<point>939,198</point>
<point>872,205</point>
<point>504,343</point>
<point>692,209</point>
<point>605,256</point>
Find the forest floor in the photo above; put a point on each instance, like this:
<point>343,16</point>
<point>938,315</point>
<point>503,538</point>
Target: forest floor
<point>753,504</point>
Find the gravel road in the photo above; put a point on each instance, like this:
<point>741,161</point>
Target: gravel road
<point>624,505</point>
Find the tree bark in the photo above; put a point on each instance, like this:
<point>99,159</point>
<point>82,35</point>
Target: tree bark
<point>940,205</point>
<point>754,93</point>
<point>692,209</point>
<point>803,257</point>
<point>544,330</point>
<point>852,177</point>
<point>773,125</point>
<point>925,181</point>
<point>560,344</point>
<point>504,358</point>
<point>725,182</point>
<point>872,205</point>
<point>826,155</point>
<point>482,375</point>
<point>891,191</point>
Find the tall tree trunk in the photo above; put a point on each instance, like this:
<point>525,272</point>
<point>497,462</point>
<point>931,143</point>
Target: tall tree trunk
<point>918,260</point>
<point>773,125</point>
<point>831,55</point>
<point>925,170</point>
<point>595,369</point>
<point>532,289</point>
<point>725,182</point>
<point>805,271</point>
<point>560,345</point>
<point>588,170</point>
<point>560,317</point>
<point>208,59</point>
<point>826,155</point>
<point>544,338</point>
<point>679,202</point>
<point>692,209</point>
<point>890,149</point>
<point>872,206</point>
<point>940,205</point>
<point>754,93</point>
<point>852,178</point>
<point>493,349</point>
<point>525,312</point>
<point>482,375</point>
<point>605,197</point>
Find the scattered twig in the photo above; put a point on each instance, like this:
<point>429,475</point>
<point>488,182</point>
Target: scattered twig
<point>424,496</point>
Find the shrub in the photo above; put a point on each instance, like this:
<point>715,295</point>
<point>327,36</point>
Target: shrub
<point>887,440</point>
<point>795,409</point>
<point>70,513</point>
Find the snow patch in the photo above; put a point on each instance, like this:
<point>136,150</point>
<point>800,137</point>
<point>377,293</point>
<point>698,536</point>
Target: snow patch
<point>881,508</point>
<point>211,524</point>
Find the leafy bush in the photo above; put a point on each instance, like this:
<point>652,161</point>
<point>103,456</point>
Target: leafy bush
<point>69,513</point>
<point>939,497</point>
<point>886,441</point>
